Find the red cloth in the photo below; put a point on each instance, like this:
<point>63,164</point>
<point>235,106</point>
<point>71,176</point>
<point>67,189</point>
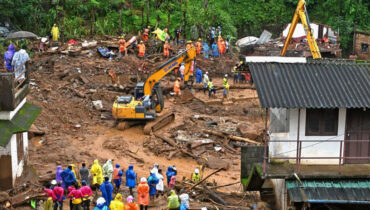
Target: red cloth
<point>86,191</point>
<point>75,194</point>
<point>72,41</point>
<point>58,191</point>
<point>50,193</point>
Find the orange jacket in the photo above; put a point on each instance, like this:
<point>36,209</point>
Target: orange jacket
<point>143,194</point>
<point>141,49</point>
<point>221,45</point>
<point>176,87</point>
<point>122,45</point>
<point>166,49</point>
<point>198,45</point>
<point>131,206</point>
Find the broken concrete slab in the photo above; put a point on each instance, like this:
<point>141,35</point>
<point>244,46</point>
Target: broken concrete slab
<point>216,163</point>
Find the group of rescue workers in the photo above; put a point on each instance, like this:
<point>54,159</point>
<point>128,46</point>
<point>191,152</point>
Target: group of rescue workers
<point>107,180</point>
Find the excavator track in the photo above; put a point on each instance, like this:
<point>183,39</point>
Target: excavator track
<point>159,123</point>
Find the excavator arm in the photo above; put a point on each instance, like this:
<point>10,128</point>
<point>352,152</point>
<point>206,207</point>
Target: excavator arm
<point>301,13</point>
<point>186,56</point>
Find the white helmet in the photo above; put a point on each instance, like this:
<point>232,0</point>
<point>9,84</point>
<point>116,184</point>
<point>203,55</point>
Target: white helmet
<point>100,200</point>
<point>206,72</point>
<point>225,75</point>
<point>143,179</point>
<point>196,171</point>
<point>54,182</point>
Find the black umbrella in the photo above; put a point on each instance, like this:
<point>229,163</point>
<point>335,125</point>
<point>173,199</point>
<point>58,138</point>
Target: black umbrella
<point>21,35</point>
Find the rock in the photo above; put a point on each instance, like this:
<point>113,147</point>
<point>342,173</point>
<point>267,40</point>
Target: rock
<point>4,196</point>
<point>249,131</point>
<point>98,104</point>
<point>216,163</point>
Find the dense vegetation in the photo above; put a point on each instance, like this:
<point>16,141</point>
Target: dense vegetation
<point>238,18</point>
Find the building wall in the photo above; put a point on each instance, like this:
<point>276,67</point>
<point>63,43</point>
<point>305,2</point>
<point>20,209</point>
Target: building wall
<point>362,38</point>
<point>326,148</point>
<point>17,166</point>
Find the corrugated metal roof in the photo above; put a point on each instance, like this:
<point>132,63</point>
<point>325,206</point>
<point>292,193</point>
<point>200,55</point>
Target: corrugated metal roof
<point>329,191</point>
<point>311,85</point>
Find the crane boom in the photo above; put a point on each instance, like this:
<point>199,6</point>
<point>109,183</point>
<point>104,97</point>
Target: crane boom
<point>301,13</point>
<point>186,56</point>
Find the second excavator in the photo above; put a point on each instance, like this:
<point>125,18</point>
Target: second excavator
<point>147,103</point>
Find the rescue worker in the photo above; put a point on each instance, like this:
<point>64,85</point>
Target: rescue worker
<point>160,186</point>
<point>143,194</point>
<point>235,73</point>
<point>59,194</point>
<point>198,46</point>
<point>205,50</point>
<point>155,169</point>
<point>195,176</point>
<point>106,190</point>
<point>84,174</point>
<point>117,174</point>
<point>108,170</point>
<point>101,204</point>
<point>198,76</point>
<point>166,35</point>
<point>215,52</point>
<point>182,70</point>
<point>205,82</point>
<point>172,183</point>
<point>169,174</point>
<point>173,201</point>
<point>176,87</point>
<point>50,197</point>
<point>117,203</point>
<point>122,47</point>
<point>146,33</point>
<point>76,196</point>
<point>141,47</point>
<point>166,49</point>
<point>130,178</point>
<point>131,205</point>
<point>212,36</point>
<point>184,200</point>
<point>58,177</point>
<point>226,85</point>
<point>211,88</point>
<point>8,57</point>
<point>152,182</point>
<point>97,173</point>
<point>86,195</point>
<point>221,45</point>
<point>55,33</point>
<point>68,176</point>
<point>189,44</point>
<point>74,173</point>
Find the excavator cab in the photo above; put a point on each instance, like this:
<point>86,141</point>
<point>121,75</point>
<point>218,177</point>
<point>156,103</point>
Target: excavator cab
<point>139,90</point>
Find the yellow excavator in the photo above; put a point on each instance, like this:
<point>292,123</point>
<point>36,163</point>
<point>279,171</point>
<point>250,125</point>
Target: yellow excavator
<point>301,13</point>
<point>147,103</point>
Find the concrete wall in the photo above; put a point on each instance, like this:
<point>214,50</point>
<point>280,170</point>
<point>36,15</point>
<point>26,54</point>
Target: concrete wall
<point>310,149</point>
<point>17,167</point>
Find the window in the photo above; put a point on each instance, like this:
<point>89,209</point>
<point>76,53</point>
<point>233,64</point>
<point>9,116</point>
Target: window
<point>20,149</point>
<point>321,122</point>
<point>364,47</point>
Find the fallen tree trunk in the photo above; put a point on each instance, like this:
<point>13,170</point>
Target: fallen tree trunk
<point>214,196</point>
<point>225,185</point>
<point>172,143</point>
<point>236,138</point>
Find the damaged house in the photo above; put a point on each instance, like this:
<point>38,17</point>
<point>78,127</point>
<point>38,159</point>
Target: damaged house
<point>317,153</point>
<point>16,117</point>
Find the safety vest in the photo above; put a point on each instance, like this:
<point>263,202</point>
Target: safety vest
<point>196,177</point>
<point>141,49</point>
<point>166,49</point>
<point>122,45</point>
<point>210,85</point>
<point>198,45</point>
<point>226,84</point>
<point>115,173</point>
<point>176,88</point>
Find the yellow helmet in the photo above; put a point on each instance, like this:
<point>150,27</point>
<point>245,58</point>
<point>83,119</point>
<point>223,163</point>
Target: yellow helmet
<point>141,41</point>
<point>241,62</point>
<point>189,42</point>
<point>199,39</point>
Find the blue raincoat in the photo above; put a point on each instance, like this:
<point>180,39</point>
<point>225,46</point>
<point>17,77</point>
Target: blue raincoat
<point>199,75</point>
<point>205,49</point>
<point>130,177</point>
<point>8,57</point>
<point>106,190</point>
<point>152,181</point>
<point>170,172</point>
<point>68,177</point>
<point>215,50</point>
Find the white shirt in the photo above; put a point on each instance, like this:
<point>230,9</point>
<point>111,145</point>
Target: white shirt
<point>205,79</point>
<point>160,185</point>
<point>184,198</point>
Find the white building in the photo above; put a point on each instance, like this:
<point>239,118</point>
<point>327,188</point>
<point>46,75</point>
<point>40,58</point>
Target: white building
<point>16,117</point>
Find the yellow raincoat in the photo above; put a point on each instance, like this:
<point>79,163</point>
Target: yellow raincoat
<point>97,173</point>
<point>117,204</point>
<point>55,32</point>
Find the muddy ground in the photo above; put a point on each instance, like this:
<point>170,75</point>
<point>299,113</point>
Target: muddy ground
<point>76,131</point>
